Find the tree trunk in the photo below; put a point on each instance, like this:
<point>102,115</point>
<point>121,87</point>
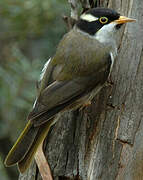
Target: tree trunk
<point>104,141</point>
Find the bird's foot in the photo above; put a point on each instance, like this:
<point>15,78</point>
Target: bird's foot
<point>85,105</point>
<point>109,81</point>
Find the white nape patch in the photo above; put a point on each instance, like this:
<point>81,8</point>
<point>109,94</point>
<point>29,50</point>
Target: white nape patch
<point>88,17</point>
<point>44,69</point>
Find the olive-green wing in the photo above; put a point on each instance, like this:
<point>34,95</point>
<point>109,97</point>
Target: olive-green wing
<point>76,69</point>
<point>60,94</point>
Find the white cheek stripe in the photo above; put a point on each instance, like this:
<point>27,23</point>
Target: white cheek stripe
<point>88,17</point>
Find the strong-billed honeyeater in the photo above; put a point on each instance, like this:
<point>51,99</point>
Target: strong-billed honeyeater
<point>71,78</point>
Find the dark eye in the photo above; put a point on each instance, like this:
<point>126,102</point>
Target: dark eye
<point>103,20</point>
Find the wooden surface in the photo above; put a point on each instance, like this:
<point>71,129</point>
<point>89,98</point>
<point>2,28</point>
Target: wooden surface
<point>105,141</point>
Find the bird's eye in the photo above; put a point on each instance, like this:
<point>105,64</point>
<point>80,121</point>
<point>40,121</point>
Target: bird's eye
<point>103,20</point>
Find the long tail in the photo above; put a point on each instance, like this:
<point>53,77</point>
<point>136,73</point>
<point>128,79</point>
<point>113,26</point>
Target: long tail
<point>26,145</point>
<point>41,135</point>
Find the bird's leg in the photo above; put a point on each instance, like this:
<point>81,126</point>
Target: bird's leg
<point>42,164</point>
<point>109,81</point>
<point>85,105</point>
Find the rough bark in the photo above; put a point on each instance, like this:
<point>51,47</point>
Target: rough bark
<point>105,140</point>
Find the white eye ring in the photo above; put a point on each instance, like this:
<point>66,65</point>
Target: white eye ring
<point>103,20</point>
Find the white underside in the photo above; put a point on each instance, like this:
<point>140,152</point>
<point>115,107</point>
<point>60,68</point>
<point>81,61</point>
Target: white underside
<point>41,76</point>
<point>44,69</point>
<point>107,36</point>
<point>34,103</point>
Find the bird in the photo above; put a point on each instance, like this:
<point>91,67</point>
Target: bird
<point>71,78</point>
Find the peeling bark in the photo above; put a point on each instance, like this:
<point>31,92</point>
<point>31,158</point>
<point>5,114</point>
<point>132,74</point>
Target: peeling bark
<point>105,140</point>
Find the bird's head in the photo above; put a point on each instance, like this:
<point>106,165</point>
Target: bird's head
<point>101,23</point>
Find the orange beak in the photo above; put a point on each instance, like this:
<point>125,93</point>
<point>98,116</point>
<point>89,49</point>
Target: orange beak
<point>124,19</point>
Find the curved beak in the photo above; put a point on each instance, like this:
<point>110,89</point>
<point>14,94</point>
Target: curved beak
<point>124,19</point>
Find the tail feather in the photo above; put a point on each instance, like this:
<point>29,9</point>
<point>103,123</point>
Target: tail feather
<point>22,145</point>
<point>26,161</point>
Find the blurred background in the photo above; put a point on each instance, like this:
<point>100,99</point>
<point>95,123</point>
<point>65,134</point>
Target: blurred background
<point>29,33</point>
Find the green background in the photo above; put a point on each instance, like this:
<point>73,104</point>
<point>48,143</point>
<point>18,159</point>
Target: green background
<point>29,33</point>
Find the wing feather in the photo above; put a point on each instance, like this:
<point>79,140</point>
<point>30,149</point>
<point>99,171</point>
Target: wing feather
<point>61,94</point>
<point>74,71</point>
